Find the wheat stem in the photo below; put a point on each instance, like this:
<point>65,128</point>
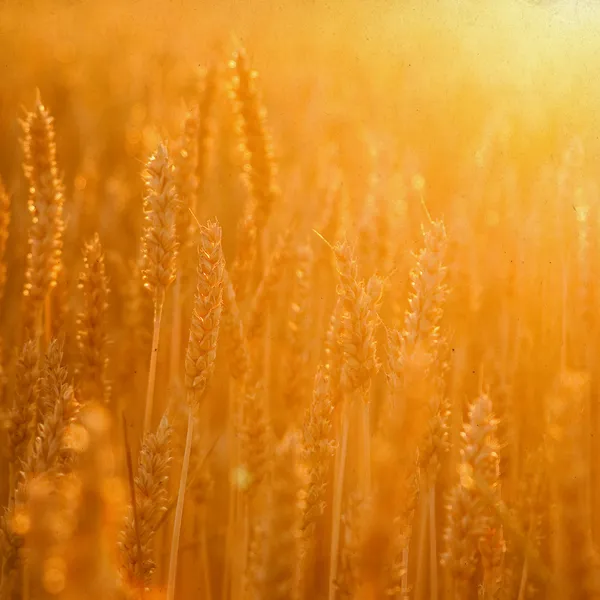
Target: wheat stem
<point>366,433</point>
<point>422,549</point>
<point>175,360</point>
<point>153,361</point>
<point>404,584</point>
<point>338,490</point>
<point>204,558</point>
<point>172,577</point>
<point>433,564</point>
<point>233,495</point>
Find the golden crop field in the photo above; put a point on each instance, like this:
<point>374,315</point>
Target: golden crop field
<point>299,300</point>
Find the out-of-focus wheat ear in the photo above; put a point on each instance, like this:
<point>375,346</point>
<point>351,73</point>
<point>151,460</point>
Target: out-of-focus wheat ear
<point>285,515</point>
<point>473,525</point>
<point>429,292</point>
<point>92,335</point>
<point>235,348</point>
<point>24,411</point>
<point>358,322</point>
<point>60,309</point>
<point>255,440</point>
<point>151,498</point>
<point>258,313</point>
<point>251,474</point>
<point>433,447</point>
<point>348,574</point>
<point>356,338</point>
<point>233,337</point>
<point>296,391</point>
<point>330,224</point>
<point>532,508</point>
<point>200,359</point>
<point>12,527</point>
<point>332,353</point>
<point>259,167</point>
<point>412,351</point>
<point>159,250</point>
<point>255,140</point>
<point>20,430</point>
<point>245,257</point>
<point>45,203</point>
<point>460,553</point>
<point>318,449</point>
<point>481,462</point>
<point>4,225</point>
<point>575,561</point>
<point>208,91</point>
<point>184,152</point>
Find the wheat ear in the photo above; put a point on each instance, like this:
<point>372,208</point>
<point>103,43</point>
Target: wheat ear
<point>159,251</point>
<point>199,360</point>
<point>92,334</point>
<point>45,204</point>
<point>151,499</point>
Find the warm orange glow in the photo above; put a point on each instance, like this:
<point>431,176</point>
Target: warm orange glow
<point>299,300</point>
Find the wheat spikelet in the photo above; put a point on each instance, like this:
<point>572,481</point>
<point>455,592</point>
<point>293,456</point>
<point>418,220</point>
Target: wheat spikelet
<point>46,208</point>
<point>151,497</point>
<point>205,127</point>
<point>92,334</point>
<point>575,561</point>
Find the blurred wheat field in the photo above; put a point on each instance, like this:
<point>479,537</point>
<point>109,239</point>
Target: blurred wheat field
<point>299,300</point>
